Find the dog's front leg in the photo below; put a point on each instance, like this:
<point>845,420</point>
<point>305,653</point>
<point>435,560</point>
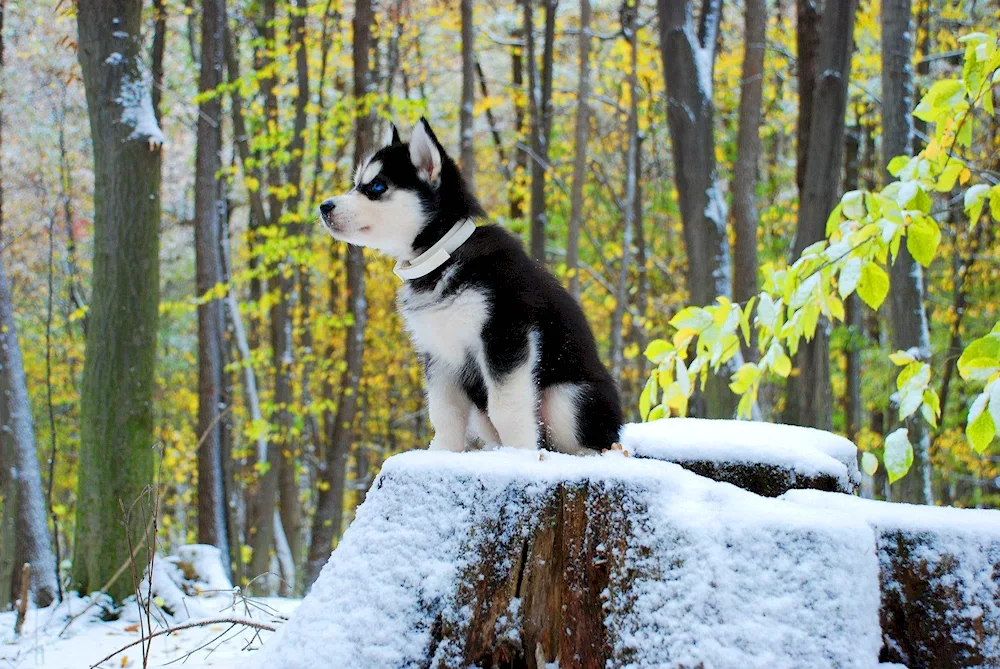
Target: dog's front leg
<point>513,395</point>
<point>449,408</point>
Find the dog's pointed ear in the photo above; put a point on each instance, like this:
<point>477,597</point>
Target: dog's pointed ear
<point>391,137</point>
<point>425,153</point>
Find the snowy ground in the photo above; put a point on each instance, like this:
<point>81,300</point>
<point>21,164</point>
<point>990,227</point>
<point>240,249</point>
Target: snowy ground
<point>46,641</point>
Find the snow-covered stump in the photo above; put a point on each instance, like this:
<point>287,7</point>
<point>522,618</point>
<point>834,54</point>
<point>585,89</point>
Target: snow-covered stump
<point>763,458</point>
<point>520,559</point>
<point>940,579</point>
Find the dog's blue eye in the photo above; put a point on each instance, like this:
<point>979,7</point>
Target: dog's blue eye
<point>377,187</point>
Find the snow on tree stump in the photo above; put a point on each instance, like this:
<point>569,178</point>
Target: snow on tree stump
<point>763,458</point>
<point>940,579</point>
<point>522,559</point>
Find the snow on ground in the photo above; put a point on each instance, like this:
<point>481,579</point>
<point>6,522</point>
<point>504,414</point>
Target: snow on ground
<point>721,576</point>
<point>74,635</point>
<point>808,451</point>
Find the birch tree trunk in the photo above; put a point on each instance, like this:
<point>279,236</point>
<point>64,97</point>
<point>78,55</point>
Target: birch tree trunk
<point>20,480</point>
<point>467,158</point>
<point>328,519</point>
<point>906,293</point>
<point>580,155</point>
<point>809,395</point>
<point>209,208</point>
<point>688,61</point>
<point>116,436</point>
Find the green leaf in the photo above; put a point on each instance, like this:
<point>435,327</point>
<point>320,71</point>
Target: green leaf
<point>852,204</point>
<point>981,429</point>
<point>873,286</point>
<point>782,366</point>
<point>922,239</point>
<point>931,408</point>
<point>744,378</point>
<point>833,220</point>
<point>898,454</point>
<point>974,199</point>
<point>995,203</point>
<point>850,274</point>
<point>694,318</point>
<point>644,401</point>
<point>869,463</point>
<point>949,176</point>
<point>981,358</point>
<point>658,412</point>
<point>897,164</point>
<point>767,313</point>
<point>656,349</point>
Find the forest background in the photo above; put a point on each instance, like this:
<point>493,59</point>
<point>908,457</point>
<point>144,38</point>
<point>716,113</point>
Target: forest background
<point>201,363</point>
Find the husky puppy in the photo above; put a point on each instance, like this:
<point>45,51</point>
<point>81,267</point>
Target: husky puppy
<point>508,355</point>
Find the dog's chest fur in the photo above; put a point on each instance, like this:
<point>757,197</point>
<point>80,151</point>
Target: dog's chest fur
<point>445,324</point>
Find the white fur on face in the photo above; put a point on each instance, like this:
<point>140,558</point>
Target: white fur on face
<point>389,224</point>
<point>425,156</point>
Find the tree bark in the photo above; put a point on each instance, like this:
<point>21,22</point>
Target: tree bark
<point>289,503</point>
<point>580,155</point>
<point>116,436</point>
<point>20,479</point>
<point>520,155</point>
<point>809,395</point>
<point>688,62</point>
<point>467,157</point>
<point>209,208</point>
<point>807,16</point>
<point>852,305</point>
<point>540,104</point>
<point>339,427</point>
<point>629,13</point>
<point>906,293</point>
<point>748,147</point>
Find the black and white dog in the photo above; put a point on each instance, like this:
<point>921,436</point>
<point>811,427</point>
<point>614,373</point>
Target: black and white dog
<point>508,354</point>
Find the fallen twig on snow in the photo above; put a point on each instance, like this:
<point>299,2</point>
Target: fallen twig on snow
<point>200,623</point>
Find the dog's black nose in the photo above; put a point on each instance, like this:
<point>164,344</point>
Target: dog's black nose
<point>327,206</point>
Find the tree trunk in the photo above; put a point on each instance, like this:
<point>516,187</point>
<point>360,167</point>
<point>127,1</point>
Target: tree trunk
<point>520,155</point>
<point>807,16</point>
<point>852,305</point>
<point>748,147</point>
<point>688,61</point>
<point>906,293</point>
<point>629,14</point>
<point>330,506</point>
<point>116,436</point>
<point>809,395</point>
<point>540,104</point>
<point>20,479</point>
<point>580,155</point>
<point>467,153</point>
<point>208,209</point>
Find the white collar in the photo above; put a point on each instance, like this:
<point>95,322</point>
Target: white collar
<point>437,255</point>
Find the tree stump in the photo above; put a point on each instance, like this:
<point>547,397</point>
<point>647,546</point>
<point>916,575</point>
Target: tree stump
<point>939,579</point>
<point>515,559</point>
<point>763,458</point>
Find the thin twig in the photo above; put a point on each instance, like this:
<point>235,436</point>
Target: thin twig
<point>179,628</point>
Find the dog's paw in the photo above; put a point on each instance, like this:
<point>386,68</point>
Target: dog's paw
<point>617,448</point>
